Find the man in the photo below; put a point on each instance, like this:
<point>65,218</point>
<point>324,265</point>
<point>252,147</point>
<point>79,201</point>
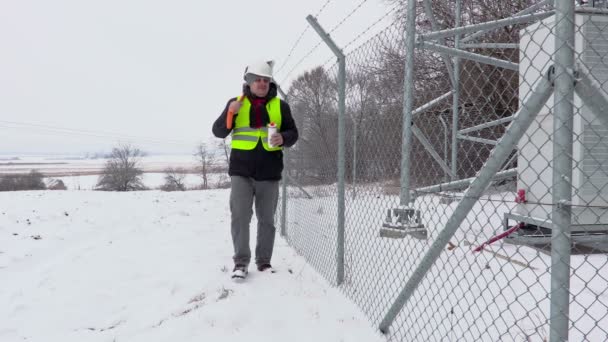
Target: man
<point>256,162</point>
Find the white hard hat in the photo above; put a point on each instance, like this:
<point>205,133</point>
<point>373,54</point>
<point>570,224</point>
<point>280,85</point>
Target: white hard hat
<point>260,68</point>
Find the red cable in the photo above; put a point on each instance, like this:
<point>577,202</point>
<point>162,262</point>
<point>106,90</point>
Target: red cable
<point>500,236</point>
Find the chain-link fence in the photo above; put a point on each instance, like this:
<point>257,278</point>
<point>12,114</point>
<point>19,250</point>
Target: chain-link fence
<point>499,231</point>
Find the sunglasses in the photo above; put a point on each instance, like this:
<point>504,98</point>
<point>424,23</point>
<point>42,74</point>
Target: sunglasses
<point>262,80</point>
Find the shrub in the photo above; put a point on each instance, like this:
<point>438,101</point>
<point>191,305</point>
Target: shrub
<point>30,181</point>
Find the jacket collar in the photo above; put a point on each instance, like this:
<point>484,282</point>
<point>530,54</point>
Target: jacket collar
<point>272,92</point>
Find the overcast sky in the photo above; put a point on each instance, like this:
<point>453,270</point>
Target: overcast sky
<point>157,71</point>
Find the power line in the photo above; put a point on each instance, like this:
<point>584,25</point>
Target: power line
<point>293,48</point>
<point>394,9</point>
<point>361,34</point>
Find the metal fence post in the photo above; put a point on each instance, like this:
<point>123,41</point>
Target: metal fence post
<point>284,200</point>
<point>562,170</point>
<point>354,171</point>
<point>284,182</point>
<point>428,10</point>
<point>456,98</point>
<point>408,101</point>
<point>341,142</point>
<point>445,145</point>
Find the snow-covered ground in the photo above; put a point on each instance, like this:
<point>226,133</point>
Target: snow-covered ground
<point>152,266</point>
<point>502,293</point>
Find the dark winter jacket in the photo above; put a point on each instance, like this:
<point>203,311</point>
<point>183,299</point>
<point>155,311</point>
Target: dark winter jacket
<point>258,163</point>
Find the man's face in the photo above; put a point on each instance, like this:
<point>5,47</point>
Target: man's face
<point>260,86</point>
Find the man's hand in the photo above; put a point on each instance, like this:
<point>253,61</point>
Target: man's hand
<point>276,139</point>
<point>233,110</point>
<point>234,107</point>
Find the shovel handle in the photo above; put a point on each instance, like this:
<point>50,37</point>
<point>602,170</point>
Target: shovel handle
<point>229,119</point>
<point>230,116</point>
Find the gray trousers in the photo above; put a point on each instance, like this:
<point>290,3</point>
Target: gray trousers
<point>243,193</point>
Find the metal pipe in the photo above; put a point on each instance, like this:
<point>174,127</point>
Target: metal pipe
<point>563,124</point>
<point>490,45</point>
<point>286,154</point>
<point>462,183</point>
<point>341,165</point>
<point>283,230</point>
<point>445,141</point>
<point>354,172</point>
<point>591,10</point>
<point>524,117</point>
<point>511,160</point>
<point>341,143</point>
<point>429,147</point>
<point>456,97</point>
<point>526,11</point>
<point>479,140</point>
<point>431,103</point>
<point>472,56</point>
<point>408,95</point>
<point>486,26</point>
<point>428,10</point>
<point>486,125</point>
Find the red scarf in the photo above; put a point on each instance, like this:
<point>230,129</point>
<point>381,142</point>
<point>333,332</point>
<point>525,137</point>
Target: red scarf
<point>257,109</point>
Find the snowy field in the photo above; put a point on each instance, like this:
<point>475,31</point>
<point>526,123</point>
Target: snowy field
<point>62,165</point>
<point>152,180</point>
<point>152,266</point>
<point>78,173</point>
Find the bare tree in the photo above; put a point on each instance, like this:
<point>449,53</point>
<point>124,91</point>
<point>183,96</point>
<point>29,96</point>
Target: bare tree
<point>205,159</point>
<point>122,172</point>
<point>174,179</point>
<point>30,181</point>
<point>225,146</point>
<point>313,95</point>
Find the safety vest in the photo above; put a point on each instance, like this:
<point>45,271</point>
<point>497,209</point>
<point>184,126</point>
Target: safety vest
<point>246,138</point>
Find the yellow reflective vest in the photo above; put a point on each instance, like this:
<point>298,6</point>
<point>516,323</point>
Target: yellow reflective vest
<point>246,138</point>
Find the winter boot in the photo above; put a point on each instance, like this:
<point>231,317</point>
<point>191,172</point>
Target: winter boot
<point>239,272</point>
<point>265,268</point>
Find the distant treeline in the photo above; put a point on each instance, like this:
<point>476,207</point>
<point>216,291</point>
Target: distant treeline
<point>28,181</point>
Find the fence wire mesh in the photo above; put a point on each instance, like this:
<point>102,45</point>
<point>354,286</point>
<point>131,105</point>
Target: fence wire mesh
<point>483,286</point>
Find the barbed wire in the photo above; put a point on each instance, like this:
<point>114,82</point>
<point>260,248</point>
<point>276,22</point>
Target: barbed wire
<point>292,49</point>
<point>394,9</point>
<point>322,8</point>
<point>326,63</point>
<point>300,61</point>
<point>300,38</point>
<point>347,16</point>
